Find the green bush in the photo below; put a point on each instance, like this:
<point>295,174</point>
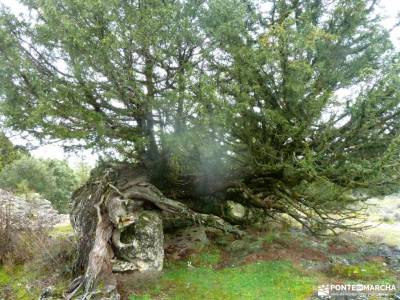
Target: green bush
<point>8,152</point>
<point>52,179</point>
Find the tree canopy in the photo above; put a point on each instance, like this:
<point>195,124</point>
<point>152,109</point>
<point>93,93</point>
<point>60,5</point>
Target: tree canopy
<point>231,90</point>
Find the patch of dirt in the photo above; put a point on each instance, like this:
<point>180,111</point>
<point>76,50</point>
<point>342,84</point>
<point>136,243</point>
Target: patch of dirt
<point>173,252</point>
<point>341,249</point>
<point>380,259</point>
<point>225,260</point>
<point>293,252</point>
<point>135,281</point>
<point>280,249</point>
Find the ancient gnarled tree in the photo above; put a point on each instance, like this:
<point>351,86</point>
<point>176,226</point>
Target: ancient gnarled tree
<point>230,111</point>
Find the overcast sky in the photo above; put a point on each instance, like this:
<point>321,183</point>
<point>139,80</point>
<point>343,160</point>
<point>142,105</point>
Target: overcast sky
<point>390,9</point>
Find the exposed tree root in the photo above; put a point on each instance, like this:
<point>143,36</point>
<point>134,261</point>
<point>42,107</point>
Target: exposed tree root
<point>107,208</point>
<point>115,205</point>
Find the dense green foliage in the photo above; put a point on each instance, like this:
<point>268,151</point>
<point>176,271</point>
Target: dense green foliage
<point>8,152</point>
<point>250,90</point>
<point>52,179</point>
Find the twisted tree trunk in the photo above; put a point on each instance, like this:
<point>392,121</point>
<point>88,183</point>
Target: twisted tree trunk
<point>117,219</point>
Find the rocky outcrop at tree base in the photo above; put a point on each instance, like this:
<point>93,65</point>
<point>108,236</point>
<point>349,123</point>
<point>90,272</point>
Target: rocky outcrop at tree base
<point>139,243</point>
<point>118,217</point>
<point>33,213</point>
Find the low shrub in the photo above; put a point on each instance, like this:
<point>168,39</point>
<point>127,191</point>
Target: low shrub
<point>31,260</point>
<point>364,271</point>
<point>37,247</point>
<point>12,249</point>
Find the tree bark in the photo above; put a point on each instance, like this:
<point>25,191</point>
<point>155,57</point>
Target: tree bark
<point>108,206</point>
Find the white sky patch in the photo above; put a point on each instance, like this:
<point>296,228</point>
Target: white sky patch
<point>389,9</point>
<point>55,151</point>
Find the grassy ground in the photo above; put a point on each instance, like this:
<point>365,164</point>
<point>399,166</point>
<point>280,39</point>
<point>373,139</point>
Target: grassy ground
<point>261,280</point>
<point>384,215</point>
<point>271,264</point>
<point>229,270</point>
<point>236,270</point>
<point>61,230</point>
<point>263,266</point>
<point>38,260</point>
<point>22,283</point>
<point>15,283</point>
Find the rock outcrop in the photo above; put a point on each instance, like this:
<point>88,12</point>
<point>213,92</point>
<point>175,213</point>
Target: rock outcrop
<point>184,242</point>
<point>139,246</point>
<point>29,214</point>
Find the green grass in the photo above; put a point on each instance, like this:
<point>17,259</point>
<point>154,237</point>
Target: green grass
<point>278,237</point>
<point>207,258</point>
<point>261,280</point>
<point>20,281</point>
<point>4,277</point>
<point>60,230</point>
<point>271,237</point>
<point>364,272</point>
<point>16,279</point>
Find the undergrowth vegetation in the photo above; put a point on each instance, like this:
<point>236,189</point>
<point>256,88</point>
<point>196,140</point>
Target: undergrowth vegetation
<point>31,260</point>
<point>364,271</point>
<point>260,280</point>
<point>34,265</point>
<point>265,264</point>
